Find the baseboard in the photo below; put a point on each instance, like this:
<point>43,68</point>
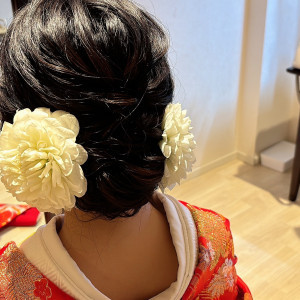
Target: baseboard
<point>221,161</point>
<point>249,159</point>
<point>211,165</point>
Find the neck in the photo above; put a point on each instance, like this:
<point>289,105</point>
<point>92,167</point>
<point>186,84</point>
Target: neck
<point>83,234</point>
<point>122,251</point>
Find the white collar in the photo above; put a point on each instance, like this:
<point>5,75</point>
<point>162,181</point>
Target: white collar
<point>45,250</point>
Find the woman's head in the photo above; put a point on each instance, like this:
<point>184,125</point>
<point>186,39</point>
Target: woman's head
<point>105,62</point>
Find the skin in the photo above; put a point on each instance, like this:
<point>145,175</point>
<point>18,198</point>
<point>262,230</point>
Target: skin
<point>126,258</point>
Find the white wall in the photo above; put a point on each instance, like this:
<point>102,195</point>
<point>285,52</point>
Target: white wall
<point>267,108</point>
<point>229,60</point>
<point>205,54</point>
<point>6,10</point>
<point>277,111</point>
<point>206,44</point>
<point>249,81</point>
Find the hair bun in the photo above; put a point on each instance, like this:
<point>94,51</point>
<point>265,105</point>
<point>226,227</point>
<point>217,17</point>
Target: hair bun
<point>104,62</point>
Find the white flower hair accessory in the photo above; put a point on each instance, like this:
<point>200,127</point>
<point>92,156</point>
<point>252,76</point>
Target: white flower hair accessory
<point>40,160</point>
<point>177,145</point>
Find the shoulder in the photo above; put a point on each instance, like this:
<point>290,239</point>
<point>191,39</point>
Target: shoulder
<point>215,275</point>
<point>14,268</point>
<point>9,251</point>
<point>6,248</point>
<point>206,217</point>
<point>19,279</point>
<point>214,236</point>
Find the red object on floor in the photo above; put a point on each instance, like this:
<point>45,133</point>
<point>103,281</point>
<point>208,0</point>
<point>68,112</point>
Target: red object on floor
<point>18,215</point>
<point>27,218</point>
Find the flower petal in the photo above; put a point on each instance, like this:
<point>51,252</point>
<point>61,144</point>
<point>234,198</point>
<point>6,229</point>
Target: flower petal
<point>177,145</point>
<point>40,161</point>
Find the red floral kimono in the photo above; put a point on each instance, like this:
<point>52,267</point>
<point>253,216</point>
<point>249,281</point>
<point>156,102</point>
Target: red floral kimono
<point>214,277</point>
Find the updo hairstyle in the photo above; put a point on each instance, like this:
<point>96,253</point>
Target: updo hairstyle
<point>104,61</point>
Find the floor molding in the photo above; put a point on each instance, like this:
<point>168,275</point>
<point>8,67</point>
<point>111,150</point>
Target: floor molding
<point>223,160</point>
<point>249,159</point>
<point>212,165</point>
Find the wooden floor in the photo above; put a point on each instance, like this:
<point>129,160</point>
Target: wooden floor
<point>265,225</point>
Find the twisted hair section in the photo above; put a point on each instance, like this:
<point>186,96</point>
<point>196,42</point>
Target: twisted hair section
<point>104,61</point>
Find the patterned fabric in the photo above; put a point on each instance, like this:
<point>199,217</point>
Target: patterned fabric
<point>29,217</point>
<point>8,212</point>
<point>20,280</point>
<point>215,275</point>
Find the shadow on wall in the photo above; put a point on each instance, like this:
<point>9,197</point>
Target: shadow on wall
<point>297,231</point>
<point>268,137</point>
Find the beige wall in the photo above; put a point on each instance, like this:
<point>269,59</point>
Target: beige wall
<point>268,110</point>
<point>277,111</point>
<point>5,10</point>
<point>249,85</point>
<point>205,54</point>
<point>230,63</point>
<point>221,54</point>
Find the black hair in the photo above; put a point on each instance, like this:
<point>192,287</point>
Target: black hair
<point>104,61</point>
